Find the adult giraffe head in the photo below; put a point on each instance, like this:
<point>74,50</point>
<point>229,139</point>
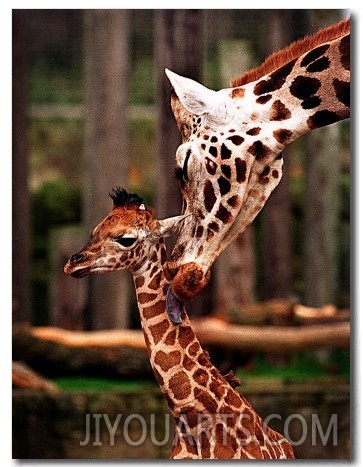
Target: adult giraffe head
<point>230,159</point>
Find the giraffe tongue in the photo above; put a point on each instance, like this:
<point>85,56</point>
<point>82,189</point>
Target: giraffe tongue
<point>174,307</point>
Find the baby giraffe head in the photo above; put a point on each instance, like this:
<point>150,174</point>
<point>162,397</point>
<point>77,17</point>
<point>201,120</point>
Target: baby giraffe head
<point>126,239</point>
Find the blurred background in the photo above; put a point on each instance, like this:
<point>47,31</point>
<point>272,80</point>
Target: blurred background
<point>91,111</point>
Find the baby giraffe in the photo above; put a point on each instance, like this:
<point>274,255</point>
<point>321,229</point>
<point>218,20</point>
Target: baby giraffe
<point>212,419</point>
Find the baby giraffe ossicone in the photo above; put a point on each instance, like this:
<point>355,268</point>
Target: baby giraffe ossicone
<point>212,419</point>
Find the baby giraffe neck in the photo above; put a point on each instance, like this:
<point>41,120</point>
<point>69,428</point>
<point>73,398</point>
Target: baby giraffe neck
<point>191,385</point>
<point>174,350</point>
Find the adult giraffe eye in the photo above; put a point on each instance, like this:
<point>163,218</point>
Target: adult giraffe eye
<point>126,241</point>
<point>181,174</point>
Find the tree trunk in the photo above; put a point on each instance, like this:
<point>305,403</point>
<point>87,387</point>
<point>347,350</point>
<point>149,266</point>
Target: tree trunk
<point>21,294</point>
<point>235,269</point>
<point>179,47</point>
<point>321,216</point>
<point>106,146</point>
<point>322,165</point>
<point>56,354</point>
<point>276,216</point>
<point>54,351</point>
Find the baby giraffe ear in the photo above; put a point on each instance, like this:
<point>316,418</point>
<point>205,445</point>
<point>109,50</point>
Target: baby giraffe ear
<point>167,227</point>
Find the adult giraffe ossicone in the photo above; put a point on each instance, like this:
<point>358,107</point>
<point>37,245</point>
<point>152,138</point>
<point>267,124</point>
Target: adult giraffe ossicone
<point>230,159</point>
<point>213,420</point>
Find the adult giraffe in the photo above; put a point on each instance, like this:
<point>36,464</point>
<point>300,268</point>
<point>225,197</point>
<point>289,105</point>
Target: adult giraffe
<point>213,420</point>
<point>230,159</point>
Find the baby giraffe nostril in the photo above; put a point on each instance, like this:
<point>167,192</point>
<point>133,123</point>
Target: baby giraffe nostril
<point>78,258</point>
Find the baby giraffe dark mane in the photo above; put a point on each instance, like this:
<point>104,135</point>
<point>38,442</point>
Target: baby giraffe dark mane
<point>121,197</point>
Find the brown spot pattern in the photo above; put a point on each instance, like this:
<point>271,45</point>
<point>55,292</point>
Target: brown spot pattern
<point>253,131</point>
<point>279,111</point>
<point>211,166</point>
<point>213,226</point>
<point>241,168</point>
<point>224,215</point>
<point>193,349</point>
<point>155,283</point>
<point>282,135</point>
<point>158,330</point>
<point>151,311</point>
<point>206,399</point>
<point>233,201</point>
<point>146,297</point>
<point>263,99</point>
<point>311,56</point>
<point>237,93</point>
<point>209,196</point>
<point>237,140</point>
<point>304,87</point>
<point>342,91</point>
<point>139,281</point>
<point>188,363</point>
<point>259,150</point>
<point>201,376</point>
<point>171,338</point>
<point>344,49</point>
<point>225,152</point>
<point>186,336</point>
<point>179,385</point>
<point>199,232</point>
<point>224,185</point>
<point>263,179</point>
<point>322,118</point>
<point>167,360</point>
<point>275,80</point>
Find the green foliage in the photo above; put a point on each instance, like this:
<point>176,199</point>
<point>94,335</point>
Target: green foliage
<point>56,150</point>
<point>302,365</point>
<point>55,203</point>
<point>142,85</point>
<point>83,384</point>
<point>49,84</point>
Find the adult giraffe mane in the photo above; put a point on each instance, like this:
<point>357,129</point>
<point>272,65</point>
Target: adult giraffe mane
<point>296,49</point>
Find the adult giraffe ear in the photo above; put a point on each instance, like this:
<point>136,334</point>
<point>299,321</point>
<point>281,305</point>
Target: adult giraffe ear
<point>166,227</point>
<point>196,98</point>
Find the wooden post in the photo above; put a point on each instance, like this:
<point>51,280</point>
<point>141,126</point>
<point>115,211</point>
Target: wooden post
<point>235,269</point>
<point>321,216</point>
<point>322,202</point>
<point>21,294</point>
<point>179,47</point>
<point>68,296</point>
<point>276,216</point>
<point>106,146</point>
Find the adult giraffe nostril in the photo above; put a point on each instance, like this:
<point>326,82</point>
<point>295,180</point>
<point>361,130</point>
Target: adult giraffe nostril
<point>78,258</point>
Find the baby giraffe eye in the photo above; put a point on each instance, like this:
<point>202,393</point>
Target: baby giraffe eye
<point>126,241</point>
